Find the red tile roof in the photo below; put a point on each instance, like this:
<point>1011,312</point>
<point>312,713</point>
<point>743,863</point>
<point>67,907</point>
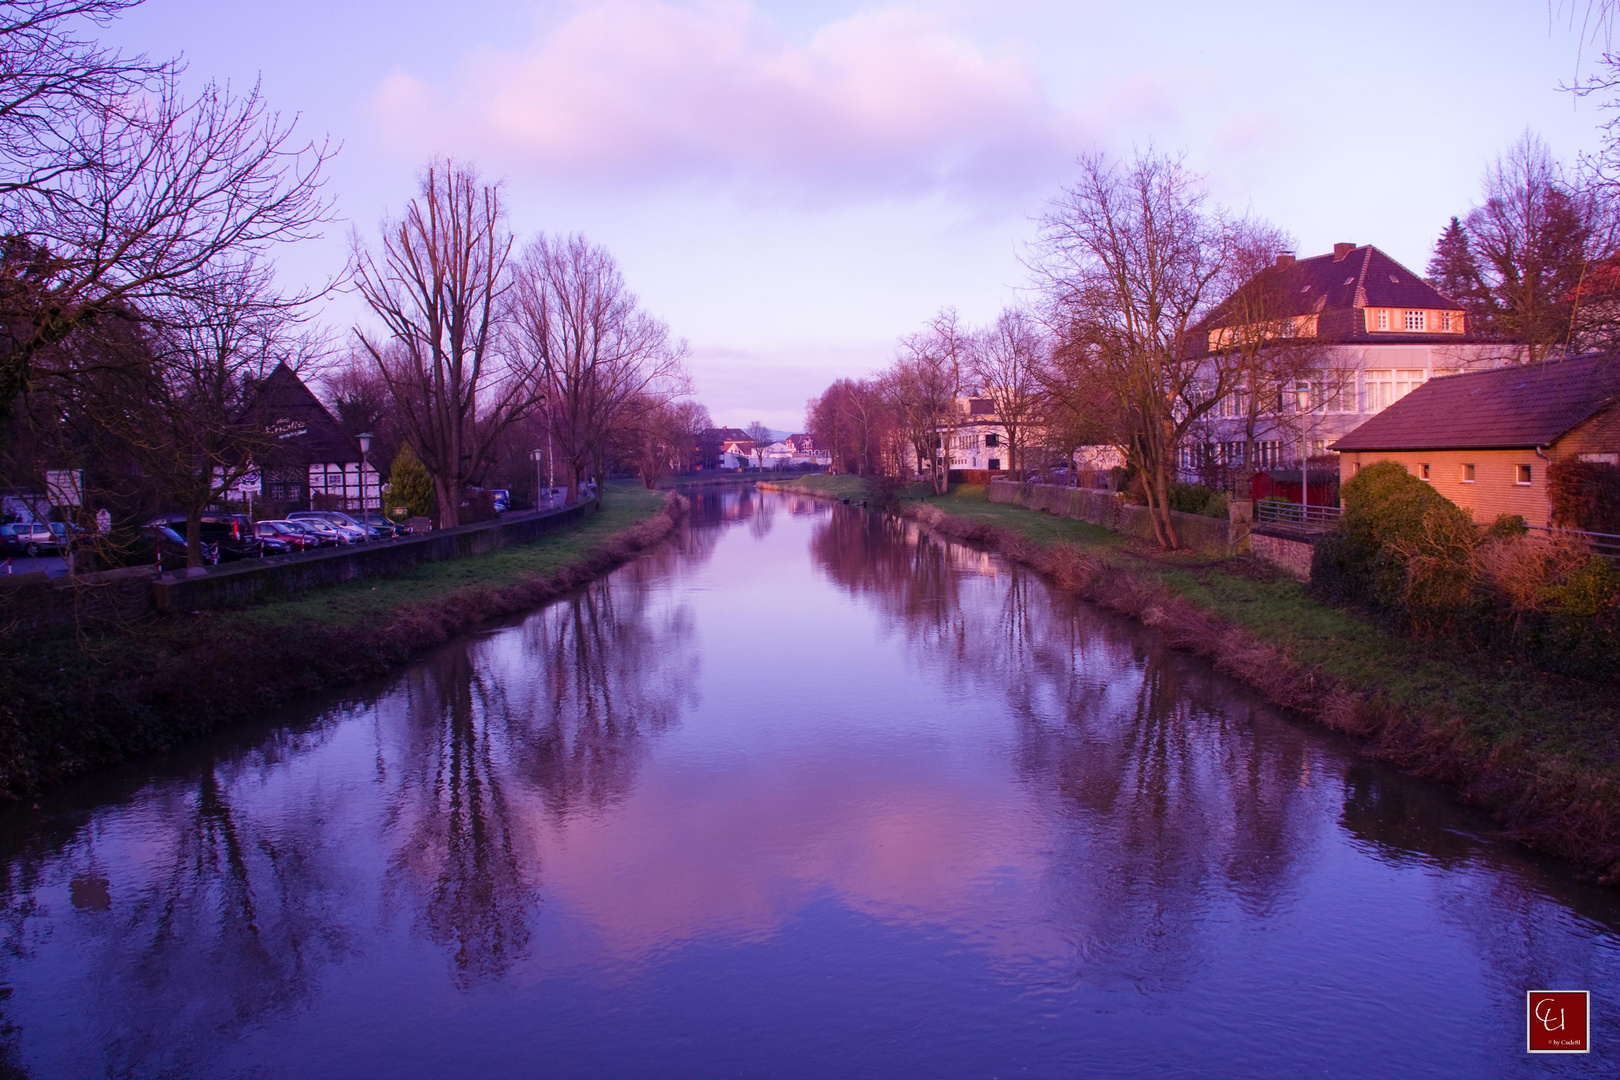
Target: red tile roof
<point>1485,410</point>
<point>1335,290</point>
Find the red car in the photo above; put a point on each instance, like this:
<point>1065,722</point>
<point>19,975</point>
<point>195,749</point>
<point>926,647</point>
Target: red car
<point>286,532</point>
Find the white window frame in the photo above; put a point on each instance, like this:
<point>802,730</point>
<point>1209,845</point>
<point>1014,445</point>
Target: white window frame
<point>1416,320</point>
<point>1382,319</point>
<point>1466,473</point>
<point>1523,475</point>
<point>1423,472</point>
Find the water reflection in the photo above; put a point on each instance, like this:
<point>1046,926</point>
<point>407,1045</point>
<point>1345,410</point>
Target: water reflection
<point>970,825</point>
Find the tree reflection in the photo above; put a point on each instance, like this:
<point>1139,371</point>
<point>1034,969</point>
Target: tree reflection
<point>1162,780</point>
<point>554,715</point>
<point>461,833</point>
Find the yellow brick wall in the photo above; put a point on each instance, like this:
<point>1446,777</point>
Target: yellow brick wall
<point>1493,491</point>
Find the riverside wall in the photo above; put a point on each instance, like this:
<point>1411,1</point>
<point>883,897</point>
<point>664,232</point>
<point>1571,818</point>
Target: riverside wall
<point>34,603</point>
<point>1206,535</point>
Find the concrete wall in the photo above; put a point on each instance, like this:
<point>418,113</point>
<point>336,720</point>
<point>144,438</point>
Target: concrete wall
<point>1210,536</point>
<point>35,603</point>
<point>281,575</point>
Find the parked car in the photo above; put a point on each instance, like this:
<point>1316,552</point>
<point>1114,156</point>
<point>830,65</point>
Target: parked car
<point>382,527</point>
<point>231,534</point>
<point>36,537</point>
<point>286,533</point>
<point>503,499</point>
<point>10,542</point>
<point>343,523</point>
<point>330,534</point>
<point>162,545</point>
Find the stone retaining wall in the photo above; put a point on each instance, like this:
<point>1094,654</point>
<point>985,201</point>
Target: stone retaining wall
<point>1287,551</point>
<point>1207,535</point>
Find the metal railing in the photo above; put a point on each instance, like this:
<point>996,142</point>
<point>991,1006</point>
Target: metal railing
<point>1298,515</point>
<point>1605,544</point>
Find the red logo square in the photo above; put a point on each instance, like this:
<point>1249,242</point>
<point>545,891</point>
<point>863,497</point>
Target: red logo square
<point>1558,1021</point>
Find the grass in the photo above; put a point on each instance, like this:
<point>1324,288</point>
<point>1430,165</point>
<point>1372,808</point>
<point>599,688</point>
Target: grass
<point>626,503</point>
<point>70,704</point>
<point>1538,750</point>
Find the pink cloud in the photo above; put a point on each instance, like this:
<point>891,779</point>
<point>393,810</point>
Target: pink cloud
<point>645,92</point>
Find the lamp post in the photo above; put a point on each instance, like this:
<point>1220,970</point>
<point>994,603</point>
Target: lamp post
<point>365,448</point>
<point>534,456</point>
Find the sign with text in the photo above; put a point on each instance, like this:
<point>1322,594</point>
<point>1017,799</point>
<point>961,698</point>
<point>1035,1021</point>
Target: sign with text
<point>1558,1021</point>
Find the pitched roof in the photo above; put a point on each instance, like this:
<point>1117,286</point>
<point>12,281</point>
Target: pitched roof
<point>1335,289</point>
<point>305,432</point>
<point>1505,408</point>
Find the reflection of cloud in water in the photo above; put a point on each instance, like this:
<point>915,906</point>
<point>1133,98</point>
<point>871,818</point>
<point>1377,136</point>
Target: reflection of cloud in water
<point>739,856</point>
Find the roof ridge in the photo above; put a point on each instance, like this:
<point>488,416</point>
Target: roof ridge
<point>1360,300</point>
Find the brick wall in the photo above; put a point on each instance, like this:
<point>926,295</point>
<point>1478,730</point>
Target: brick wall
<point>1494,490</point>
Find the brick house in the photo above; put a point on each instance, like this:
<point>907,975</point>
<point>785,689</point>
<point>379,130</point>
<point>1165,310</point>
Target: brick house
<point>1484,439</point>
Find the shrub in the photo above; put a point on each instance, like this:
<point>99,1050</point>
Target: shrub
<point>1400,546</point>
<point>1585,495</point>
<point>1217,506</point>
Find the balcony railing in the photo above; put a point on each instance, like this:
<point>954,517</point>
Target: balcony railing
<point>1297,515</point>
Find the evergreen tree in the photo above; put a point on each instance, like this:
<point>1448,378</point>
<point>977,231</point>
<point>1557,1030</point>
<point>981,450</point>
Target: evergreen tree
<point>1455,273</point>
<point>410,486</point>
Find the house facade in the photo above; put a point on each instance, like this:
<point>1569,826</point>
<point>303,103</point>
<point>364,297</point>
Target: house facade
<point>797,451</point>
<point>1485,439</point>
<point>311,462</point>
<point>1365,332</point>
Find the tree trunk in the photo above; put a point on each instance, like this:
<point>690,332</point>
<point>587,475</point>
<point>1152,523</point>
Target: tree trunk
<point>194,555</point>
<point>449,493</point>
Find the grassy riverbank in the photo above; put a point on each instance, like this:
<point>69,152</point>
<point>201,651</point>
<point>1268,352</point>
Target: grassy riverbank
<point>73,703</point>
<point>1539,752</point>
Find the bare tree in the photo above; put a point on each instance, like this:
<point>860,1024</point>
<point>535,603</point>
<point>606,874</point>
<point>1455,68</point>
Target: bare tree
<point>598,354</point>
<point>179,395</point>
<point>439,285</point>
<point>761,437</point>
<point>1542,242</point>
<point>1129,256</point>
<point>925,381</point>
<point>161,191</point>
<point>1003,360</point>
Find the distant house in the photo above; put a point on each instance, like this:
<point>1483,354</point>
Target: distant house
<point>796,452</point>
<point>1485,439</point>
<point>312,459</point>
<point>710,449</point>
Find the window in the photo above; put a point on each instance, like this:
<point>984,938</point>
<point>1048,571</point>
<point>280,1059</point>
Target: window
<point>1383,319</point>
<point>1304,401</point>
<point>1423,470</point>
<point>1451,321</point>
<point>1386,386</point>
<point>1467,474</point>
<point>995,463</point>
<point>1336,391</point>
<point>1233,406</point>
<point>992,439</point>
<point>1416,321</point>
<point>1521,474</point>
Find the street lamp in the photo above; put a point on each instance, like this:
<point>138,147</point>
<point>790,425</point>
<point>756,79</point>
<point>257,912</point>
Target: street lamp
<point>539,485</point>
<point>365,448</point>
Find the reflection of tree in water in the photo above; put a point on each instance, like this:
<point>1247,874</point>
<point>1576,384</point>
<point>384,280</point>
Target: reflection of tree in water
<point>559,711</point>
<point>615,667</point>
<point>219,924</point>
<point>462,842</point>
<point>1162,785</point>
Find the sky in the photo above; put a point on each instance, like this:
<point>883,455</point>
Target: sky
<point>794,185</point>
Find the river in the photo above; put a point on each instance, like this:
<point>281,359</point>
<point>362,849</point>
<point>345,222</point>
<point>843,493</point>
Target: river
<point>803,793</point>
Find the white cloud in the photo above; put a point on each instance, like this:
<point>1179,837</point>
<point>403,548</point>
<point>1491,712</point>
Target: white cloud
<point>645,93</point>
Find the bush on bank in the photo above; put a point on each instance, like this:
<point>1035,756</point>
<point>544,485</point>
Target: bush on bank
<point>1408,552</point>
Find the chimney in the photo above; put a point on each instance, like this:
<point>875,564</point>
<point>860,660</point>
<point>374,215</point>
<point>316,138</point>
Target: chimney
<point>1284,258</point>
<point>1342,250</point>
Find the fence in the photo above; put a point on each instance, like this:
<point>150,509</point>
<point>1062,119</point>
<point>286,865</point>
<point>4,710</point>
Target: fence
<point>1605,544</point>
<point>1305,518</point>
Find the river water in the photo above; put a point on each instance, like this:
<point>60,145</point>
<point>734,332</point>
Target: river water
<point>801,794</point>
